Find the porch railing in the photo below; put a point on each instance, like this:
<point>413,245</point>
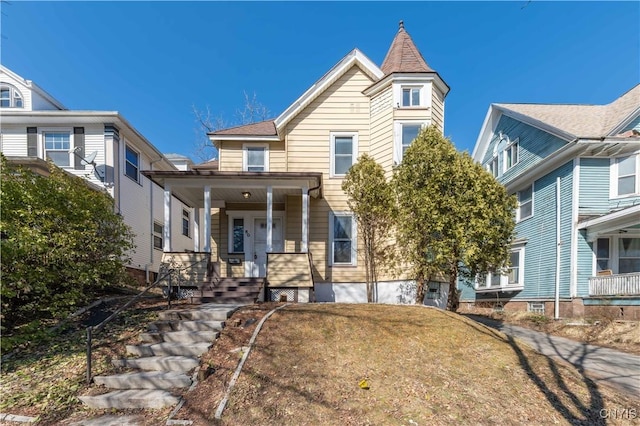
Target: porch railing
<point>615,285</point>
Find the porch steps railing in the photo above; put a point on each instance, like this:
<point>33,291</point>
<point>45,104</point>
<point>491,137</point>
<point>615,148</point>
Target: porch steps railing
<point>615,285</point>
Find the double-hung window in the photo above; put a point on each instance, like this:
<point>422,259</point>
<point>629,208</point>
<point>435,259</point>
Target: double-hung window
<point>525,203</point>
<point>410,96</point>
<point>186,223</point>
<point>626,175</point>
<point>132,163</point>
<point>158,235</point>
<point>255,158</point>
<point>57,146</point>
<point>405,134</point>
<point>507,279</point>
<point>603,254</point>
<point>511,155</point>
<point>342,235</point>
<point>343,152</point>
<point>628,255</point>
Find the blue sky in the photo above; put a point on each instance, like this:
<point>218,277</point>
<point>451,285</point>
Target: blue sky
<point>153,61</point>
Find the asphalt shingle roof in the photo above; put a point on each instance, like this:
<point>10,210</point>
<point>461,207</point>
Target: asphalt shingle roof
<point>403,55</point>
<point>262,128</point>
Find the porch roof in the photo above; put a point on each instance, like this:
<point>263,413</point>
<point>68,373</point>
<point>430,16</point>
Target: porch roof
<point>611,222</point>
<point>228,187</point>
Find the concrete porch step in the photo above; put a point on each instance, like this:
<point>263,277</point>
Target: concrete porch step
<point>181,364</point>
<point>122,399</point>
<point>193,315</point>
<point>179,336</point>
<point>145,380</point>
<point>198,325</point>
<point>246,300</point>
<point>166,349</point>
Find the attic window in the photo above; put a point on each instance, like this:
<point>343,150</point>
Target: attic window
<point>10,97</point>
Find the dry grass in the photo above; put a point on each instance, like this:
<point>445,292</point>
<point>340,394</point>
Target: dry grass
<point>424,366</point>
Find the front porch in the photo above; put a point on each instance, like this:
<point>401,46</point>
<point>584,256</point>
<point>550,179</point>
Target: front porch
<point>255,231</point>
<point>615,285</point>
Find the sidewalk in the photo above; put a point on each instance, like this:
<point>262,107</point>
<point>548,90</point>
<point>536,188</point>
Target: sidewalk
<point>604,366</point>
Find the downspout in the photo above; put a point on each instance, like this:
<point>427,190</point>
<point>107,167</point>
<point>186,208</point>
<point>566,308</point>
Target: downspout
<point>558,247</point>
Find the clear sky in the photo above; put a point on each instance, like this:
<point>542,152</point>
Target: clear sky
<point>153,61</point>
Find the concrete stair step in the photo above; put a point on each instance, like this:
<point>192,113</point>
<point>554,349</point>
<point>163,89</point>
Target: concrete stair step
<point>193,315</point>
<point>145,380</point>
<point>122,399</point>
<point>166,349</point>
<point>181,364</point>
<point>179,336</point>
<point>198,325</point>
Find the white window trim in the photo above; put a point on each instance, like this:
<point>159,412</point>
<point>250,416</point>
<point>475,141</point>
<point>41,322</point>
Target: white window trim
<point>124,163</point>
<point>411,87</point>
<point>245,155</point>
<point>397,136</point>
<point>518,218</point>
<point>425,93</point>
<point>188,218</point>
<point>614,251</point>
<point>504,278</point>
<point>12,95</point>
<point>42,148</point>
<point>354,239</point>
<point>249,218</point>
<point>154,234</point>
<point>505,155</point>
<point>354,151</point>
<point>613,176</point>
<point>231,218</point>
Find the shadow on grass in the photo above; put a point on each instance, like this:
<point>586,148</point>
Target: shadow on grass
<point>563,399</point>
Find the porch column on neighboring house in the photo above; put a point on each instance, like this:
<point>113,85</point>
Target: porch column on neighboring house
<point>166,230</point>
<point>207,219</point>
<point>304,246</point>
<point>269,219</point>
<point>196,229</point>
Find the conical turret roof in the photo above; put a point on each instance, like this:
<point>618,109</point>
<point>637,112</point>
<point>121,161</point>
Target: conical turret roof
<point>403,55</point>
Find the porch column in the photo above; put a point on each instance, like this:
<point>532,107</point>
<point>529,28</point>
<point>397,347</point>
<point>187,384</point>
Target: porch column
<point>196,229</point>
<point>304,246</point>
<point>269,218</point>
<point>207,219</point>
<point>166,230</point>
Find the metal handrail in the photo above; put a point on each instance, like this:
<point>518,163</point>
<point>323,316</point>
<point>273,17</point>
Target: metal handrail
<point>98,328</point>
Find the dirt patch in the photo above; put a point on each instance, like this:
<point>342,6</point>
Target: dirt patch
<point>615,334</point>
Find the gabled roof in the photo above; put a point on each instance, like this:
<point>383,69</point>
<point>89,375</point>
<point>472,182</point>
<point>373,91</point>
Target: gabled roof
<point>403,55</point>
<point>32,86</point>
<point>584,121</point>
<point>355,57</point>
<point>567,121</point>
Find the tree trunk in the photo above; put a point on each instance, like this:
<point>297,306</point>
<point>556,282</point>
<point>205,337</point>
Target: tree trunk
<point>420,289</point>
<point>452,299</point>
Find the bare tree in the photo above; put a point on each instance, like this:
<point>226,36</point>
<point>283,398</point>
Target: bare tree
<point>206,122</point>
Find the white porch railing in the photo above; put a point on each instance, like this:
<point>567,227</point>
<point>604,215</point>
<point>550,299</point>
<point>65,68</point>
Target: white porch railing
<point>615,285</point>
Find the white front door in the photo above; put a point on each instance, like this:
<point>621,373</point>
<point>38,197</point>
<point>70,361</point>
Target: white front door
<point>259,267</point>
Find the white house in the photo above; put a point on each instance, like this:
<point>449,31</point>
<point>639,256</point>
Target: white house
<point>102,147</point>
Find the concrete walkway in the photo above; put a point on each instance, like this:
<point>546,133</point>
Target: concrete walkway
<point>604,366</point>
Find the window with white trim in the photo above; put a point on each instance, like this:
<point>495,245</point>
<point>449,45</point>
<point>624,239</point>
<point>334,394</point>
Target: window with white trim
<point>511,154</point>
<point>628,255</point>
<point>344,148</point>
<point>57,147</point>
<point>132,163</point>
<point>255,158</point>
<point>236,235</point>
<point>410,96</point>
<point>603,254</point>
<point>512,277</point>
<point>158,236</point>
<point>405,133</point>
<point>625,176</point>
<point>525,203</point>
<point>10,97</point>
<point>492,167</point>
<point>186,223</point>
<point>342,239</point>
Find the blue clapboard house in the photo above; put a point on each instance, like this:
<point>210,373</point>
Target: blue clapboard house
<point>575,170</point>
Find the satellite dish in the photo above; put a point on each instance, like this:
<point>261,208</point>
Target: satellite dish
<point>89,159</point>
